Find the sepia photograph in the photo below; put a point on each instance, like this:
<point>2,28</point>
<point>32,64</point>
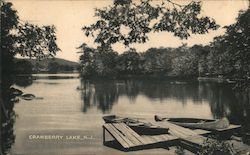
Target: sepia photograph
<point>118,77</point>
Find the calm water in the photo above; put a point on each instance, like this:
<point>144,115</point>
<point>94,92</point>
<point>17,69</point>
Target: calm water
<point>68,93</point>
<point>74,106</point>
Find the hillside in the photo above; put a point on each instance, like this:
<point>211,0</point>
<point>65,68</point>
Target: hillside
<point>52,65</point>
<point>44,63</point>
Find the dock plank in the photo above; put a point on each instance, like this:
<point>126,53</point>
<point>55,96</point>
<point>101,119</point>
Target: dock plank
<point>198,140</point>
<point>116,136</point>
<point>126,132</point>
<point>148,139</point>
<point>175,130</point>
<point>178,133</point>
<point>182,130</point>
<point>169,137</point>
<point>142,140</point>
<point>157,138</point>
<point>172,130</point>
<point>163,138</point>
<point>191,138</point>
<point>121,134</point>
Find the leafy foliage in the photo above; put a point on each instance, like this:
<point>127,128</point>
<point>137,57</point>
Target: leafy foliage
<point>182,61</point>
<point>214,147</point>
<point>128,62</point>
<point>22,38</point>
<point>231,51</point>
<point>106,62</point>
<point>18,37</point>
<point>141,18</point>
<point>87,60</point>
<point>130,22</point>
<point>35,41</point>
<point>228,55</point>
<point>97,62</point>
<point>156,61</point>
<point>179,151</point>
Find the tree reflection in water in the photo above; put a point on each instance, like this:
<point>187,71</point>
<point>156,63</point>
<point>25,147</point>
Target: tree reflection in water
<point>222,99</point>
<point>98,93</point>
<point>226,102</point>
<point>23,81</point>
<point>104,94</point>
<point>8,116</point>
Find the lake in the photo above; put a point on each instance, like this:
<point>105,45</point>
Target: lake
<point>74,107</point>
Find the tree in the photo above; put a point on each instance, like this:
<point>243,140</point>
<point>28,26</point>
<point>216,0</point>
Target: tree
<point>238,41</point>
<point>97,62</point>
<point>87,60</point>
<point>156,61</point>
<point>233,50</point>
<point>202,54</point>
<point>128,62</point>
<point>28,40</point>
<point>182,63</point>
<point>141,18</point>
<point>18,37</point>
<point>106,62</point>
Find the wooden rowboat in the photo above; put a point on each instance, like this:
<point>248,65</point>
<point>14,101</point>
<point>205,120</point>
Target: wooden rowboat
<point>142,128</point>
<point>196,123</point>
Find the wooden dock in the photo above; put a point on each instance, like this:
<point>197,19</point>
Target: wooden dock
<point>130,140</point>
<point>177,135</point>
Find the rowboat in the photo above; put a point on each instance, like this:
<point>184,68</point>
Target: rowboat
<point>196,123</point>
<point>139,126</point>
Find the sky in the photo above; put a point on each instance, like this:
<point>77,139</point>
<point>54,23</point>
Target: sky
<point>69,16</point>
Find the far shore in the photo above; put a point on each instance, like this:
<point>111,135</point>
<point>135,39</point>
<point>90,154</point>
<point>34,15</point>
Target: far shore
<point>218,79</point>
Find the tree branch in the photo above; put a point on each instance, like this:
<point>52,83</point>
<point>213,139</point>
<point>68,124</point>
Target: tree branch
<point>175,4</point>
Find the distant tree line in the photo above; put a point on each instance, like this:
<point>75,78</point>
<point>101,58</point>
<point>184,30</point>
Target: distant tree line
<point>139,19</point>
<point>227,55</point>
<point>55,67</point>
<point>26,67</point>
<point>182,61</point>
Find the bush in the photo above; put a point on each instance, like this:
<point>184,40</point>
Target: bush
<point>217,147</point>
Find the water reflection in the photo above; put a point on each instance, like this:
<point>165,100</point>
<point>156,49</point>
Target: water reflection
<point>55,76</point>
<point>99,94</point>
<point>223,101</point>
<point>104,95</point>
<point>226,102</point>
<point>23,81</point>
<point>8,115</point>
